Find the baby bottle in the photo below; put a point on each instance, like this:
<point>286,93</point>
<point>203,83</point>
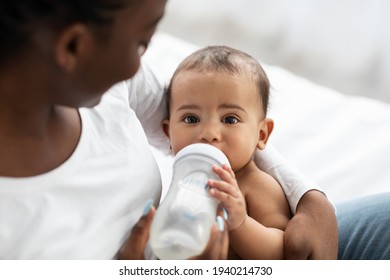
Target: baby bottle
<point>182,223</point>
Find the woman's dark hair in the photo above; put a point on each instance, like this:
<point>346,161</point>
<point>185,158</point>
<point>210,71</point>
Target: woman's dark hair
<point>19,18</point>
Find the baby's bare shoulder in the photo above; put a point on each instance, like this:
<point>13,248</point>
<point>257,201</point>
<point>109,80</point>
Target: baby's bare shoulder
<point>256,180</point>
<point>265,199</point>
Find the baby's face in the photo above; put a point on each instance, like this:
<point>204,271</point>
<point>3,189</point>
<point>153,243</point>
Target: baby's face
<point>218,109</point>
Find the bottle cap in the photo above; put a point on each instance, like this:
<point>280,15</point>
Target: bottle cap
<point>203,150</point>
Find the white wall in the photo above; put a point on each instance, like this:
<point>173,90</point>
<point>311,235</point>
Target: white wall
<point>341,44</point>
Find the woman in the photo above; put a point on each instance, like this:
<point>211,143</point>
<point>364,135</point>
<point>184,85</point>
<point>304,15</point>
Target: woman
<point>74,180</point>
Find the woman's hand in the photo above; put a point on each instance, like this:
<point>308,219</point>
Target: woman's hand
<point>218,245</point>
<point>312,232</point>
<point>134,247</point>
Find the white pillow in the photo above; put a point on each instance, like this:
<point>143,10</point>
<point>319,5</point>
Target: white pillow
<point>341,142</point>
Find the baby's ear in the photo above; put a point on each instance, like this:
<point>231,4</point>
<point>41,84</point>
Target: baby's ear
<point>266,127</point>
<point>165,127</point>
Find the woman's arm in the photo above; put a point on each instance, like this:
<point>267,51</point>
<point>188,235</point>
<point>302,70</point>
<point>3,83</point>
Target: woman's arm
<point>312,232</point>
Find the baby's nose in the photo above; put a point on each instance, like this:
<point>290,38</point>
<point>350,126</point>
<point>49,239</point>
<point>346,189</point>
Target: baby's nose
<point>210,133</point>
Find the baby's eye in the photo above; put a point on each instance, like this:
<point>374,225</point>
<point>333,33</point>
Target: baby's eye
<point>230,120</point>
<point>191,119</point>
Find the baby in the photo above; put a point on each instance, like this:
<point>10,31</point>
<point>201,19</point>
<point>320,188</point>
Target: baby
<point>219,96</point>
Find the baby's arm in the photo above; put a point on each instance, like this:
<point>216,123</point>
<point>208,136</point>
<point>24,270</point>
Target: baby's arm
<point>260,233</point>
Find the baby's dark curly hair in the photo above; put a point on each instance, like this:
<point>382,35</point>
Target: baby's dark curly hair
<point>228,60</point>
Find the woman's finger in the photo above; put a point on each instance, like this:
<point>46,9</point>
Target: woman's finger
<point>217,247</point>
<point>134,247</point>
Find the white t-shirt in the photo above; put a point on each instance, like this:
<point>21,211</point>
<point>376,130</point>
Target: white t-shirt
<point>85,208</point>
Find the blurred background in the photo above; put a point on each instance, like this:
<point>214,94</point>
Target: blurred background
<point>344,45</point>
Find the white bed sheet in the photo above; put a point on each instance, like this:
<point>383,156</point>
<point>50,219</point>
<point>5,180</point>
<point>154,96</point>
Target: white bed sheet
<point>341,142</point>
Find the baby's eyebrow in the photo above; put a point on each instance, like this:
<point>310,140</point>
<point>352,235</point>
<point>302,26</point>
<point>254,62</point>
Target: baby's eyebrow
<point>188,106</point>
<point>223,106</point>
<point>232,106</point>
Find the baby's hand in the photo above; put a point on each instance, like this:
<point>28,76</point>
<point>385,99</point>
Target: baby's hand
<point>228,192</point>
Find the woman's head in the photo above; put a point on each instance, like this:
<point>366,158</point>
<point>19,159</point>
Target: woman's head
<point>80,46</point>
<point>20,19</point>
